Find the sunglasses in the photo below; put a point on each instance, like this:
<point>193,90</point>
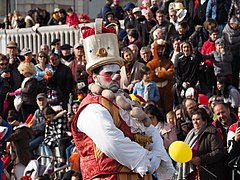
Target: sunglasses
<point>42,56</point>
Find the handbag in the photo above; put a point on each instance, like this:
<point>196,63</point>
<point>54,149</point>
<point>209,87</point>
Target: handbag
<point>18,102</point>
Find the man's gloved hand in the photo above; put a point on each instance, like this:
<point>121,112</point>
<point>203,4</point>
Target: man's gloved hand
<point>154,163</point>
<point>141,170</point>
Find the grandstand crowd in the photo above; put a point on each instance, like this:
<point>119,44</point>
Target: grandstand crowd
<point>181,61</point>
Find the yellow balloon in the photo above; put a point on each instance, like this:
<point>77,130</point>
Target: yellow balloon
<point>180,151</point>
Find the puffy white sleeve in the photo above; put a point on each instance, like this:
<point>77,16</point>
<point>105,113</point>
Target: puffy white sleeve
<point>96,122</point>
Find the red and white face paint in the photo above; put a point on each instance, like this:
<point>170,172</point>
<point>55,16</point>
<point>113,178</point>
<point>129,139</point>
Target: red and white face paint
<point>109,77</point>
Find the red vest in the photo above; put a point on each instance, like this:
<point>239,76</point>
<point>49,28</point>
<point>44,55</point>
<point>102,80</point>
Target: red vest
<point>94,163</point>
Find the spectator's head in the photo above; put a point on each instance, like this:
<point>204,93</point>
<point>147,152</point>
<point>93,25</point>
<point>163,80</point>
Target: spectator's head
<point>62,13</point>
<point>55,60</point>
<point>78,50</point>
<point>70,11</point>
<point>173,15</point>
<point>137,12</point>
<point>56,43</point>
<point>48,113</point>
<point>154,114</point>
<point>160,17</point>
<point>30,13</point>
<point>148,14</point>
<point>186,48</point>
<point>234,23</point>
<point>210,24</point>
<point>12,48</point>
<point>132,35</point>
<point>145,73</point>
<point>66,49</point>
<point>12,118</point>
<point>27,53</point>
<point>41,100</point>
<point>42,57</point>
<point>127,55</point>
<point>219,43</point>
<point>213,35</point>
<point>222,112</point>
<point>27,69</point>
<point>84,18</point>
<point>45,48</point>
<point>176,44</point>
<point>135,51</point>
<point>158,34</point>
<point>110,16</point>
<point>182,28</point>
<point>170,118</point>
<point>200,118</point>
<point>154,2</point>
<point>3,63</point>
<point>146,4</point>
<point>76,176</point>
<point>145,54</point>
<point>190,105</point>
<point>128,8</point>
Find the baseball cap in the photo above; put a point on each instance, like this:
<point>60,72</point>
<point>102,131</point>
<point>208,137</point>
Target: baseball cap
<point>136,9</point>
<point>128,6</point>
<point>77,45</point>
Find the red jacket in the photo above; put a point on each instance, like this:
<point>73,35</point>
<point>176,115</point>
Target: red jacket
<point>72,20</point>
<point>208,47</point>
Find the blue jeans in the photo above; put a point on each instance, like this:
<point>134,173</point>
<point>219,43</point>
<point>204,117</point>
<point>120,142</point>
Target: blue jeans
<point>45,151</point>
<point>69,150</point>
<point>35,142</point>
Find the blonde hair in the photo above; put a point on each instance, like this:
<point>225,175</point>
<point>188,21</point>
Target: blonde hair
<point>27,67</point>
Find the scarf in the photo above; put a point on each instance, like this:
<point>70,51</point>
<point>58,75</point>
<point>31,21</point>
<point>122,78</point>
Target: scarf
<point>191,139</point>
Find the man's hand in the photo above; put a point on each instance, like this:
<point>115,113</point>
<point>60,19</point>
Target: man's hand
<point>5,75</point>
<point>195,161</point>
<point>237,134</point>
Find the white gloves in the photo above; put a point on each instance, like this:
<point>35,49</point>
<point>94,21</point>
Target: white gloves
<point>142,167</point>
<point>154,162</point>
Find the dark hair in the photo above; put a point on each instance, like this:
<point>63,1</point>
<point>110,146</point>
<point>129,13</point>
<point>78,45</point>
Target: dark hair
<point>160,11</point>
<point>125,49</point>
<point>69,10</point>
<point>144,70</point>
<point>54,54</point>
<point>133,33</point>
<point>2,57</point>
<point>12,116</point>
<point>154,111</point>
<point>48,110</point>
<point>202,112</point>
<point>44,54</point>
<point>214,30</point>
<point>183,24</point>
<point>221,103</point>
<point>77,174</point>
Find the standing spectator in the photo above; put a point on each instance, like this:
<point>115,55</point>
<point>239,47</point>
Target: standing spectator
<point>145,54</point>
<point>117,10</point>
<point>28,56</point>
<point>231,36</point>
<point>45,48</point>
<point>67,56</point>
<point>151,22</point>
<point>107,8</point>
<point>62,17</point>
<point>29,88</point>
<point>29,19</point>
<point>62,80</point>
<point>129,18</point>
<point>146,88</point>
<point>6,83</point>
<point>207,48</point>
<point>173,18</point>
<point>162,72</point>
<point>130,72</point>
<point>207,147</point>
<point>72,18</point>
<point>46,17</point>
<point>133,36</point>
<point>54,17</point>
<point>163,24</point>
<point>20,145</point>
<point>56,47</point>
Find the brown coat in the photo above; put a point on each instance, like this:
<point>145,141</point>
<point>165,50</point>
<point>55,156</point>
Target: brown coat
<point>20,144</point>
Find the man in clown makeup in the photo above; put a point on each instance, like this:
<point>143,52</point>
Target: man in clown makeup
<point>101,132</point>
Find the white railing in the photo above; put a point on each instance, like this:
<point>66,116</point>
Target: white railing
<point>26,37</point>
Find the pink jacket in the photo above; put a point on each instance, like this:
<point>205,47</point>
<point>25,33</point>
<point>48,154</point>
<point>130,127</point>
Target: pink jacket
<point>72,20</point>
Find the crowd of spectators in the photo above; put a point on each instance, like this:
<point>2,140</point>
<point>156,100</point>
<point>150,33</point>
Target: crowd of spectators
<point>181,58</point>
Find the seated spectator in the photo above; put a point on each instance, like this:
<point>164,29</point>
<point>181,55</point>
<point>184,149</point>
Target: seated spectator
<point>20,144</point>
<point>38,125</point>
<point>17,20</point>
<point>146,88</point>
<point>84,18</point>
<point>56,124</point>
<point>72,18</point>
